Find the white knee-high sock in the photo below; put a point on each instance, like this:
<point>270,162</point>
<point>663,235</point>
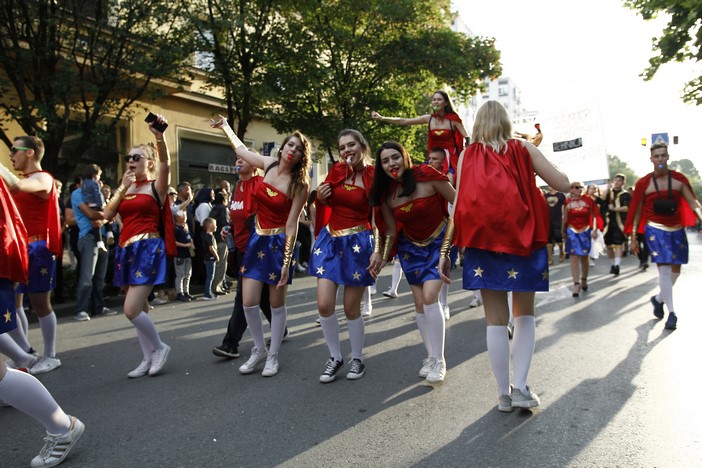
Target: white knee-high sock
<point>443,294</point>
<point>509,304</point>
<point>396,276</point>
<point>20,338</point>
<point>330,330</point>
<point>48,332</point>
<point>523,349</point>
<point>665,281</point>
<point>22,319</point>
<point>422,326</point>
<point>147,348</point>
<point>367,299</point>
<point>357,335</point>
<point>255,324</point>
<point>279,320</point>
<point>28,395</point>
<point>498,353</point>
<point>145,325</point>
<point>11,349</point>
<point>436,328</point>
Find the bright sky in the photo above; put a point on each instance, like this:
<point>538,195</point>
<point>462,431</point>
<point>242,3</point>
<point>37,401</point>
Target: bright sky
<point>563,54</point>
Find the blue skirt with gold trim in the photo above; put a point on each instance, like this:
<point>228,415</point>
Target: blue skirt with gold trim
<point>8,316</point>
<point>667,245</point>
<point>342,259</point>
<point>42,269</point>
<point>578,243</point>
<point>420,264</point>
<point>483,269</point>
<point>264,258</point>
<point>142,262</point>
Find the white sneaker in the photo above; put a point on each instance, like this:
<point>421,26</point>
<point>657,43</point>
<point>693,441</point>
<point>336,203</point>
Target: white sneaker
<point>110,238</point>
<point>366,311</point>
<point>446,311</point>
<point>258,355</point>
<point>58,446</point>
<point>159,358</point>
<point>475,302</point>
<point>390,293</point>
<point>437,372</point>
<point>271,365</point>
<point>374,290</point>
<point>141,370</point>
<point>101,246</point>
<point>159,301</point>
<point>44,365</point>
<point>427,364</point>
<point>82,316</point>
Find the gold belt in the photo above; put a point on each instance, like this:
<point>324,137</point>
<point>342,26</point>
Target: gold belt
<point>270,231</point>
<point>430,239</point>
<point>663,227</point>
<point>138,237</point>
<point>347,231</point>
<point>31,239</point>
<point>578,231</point>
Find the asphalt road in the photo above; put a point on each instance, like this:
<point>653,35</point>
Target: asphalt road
<point>616,388</point>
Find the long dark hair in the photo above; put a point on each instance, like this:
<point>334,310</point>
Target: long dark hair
<point>300,175</point>
<point>382,182</point>
<point>448,108</point>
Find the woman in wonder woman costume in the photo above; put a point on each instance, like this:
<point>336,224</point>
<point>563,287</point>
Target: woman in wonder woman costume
<point>501,219</point>
<point>342,252</point>
<point>412,200</point>
<point>579,229</point>
<point>445,128</point>
<point>269,253</point>
<point>140,257</point>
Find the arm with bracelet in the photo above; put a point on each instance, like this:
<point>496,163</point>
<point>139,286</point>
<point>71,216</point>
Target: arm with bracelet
<point>255,159</point>
<point>291,234</point>
<point>163,173</point>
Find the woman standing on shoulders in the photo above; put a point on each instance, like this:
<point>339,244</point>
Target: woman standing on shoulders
<point>342,252</point>
<point>140,257</point>
<point>579,228</point>
<point>445,127</point>
<point>505,242</point>
<point>270,250</point>
<point>413,200</point>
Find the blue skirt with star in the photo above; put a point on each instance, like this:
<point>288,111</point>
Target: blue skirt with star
<point>42,269</point>
<point>667,245</point>
<point>8,316</point>
<point>142,262</point>
<point>342,259</point>
<point>264,258</point>
<point>578,243</point>
<point>483,269</point>
<point>420,264</point>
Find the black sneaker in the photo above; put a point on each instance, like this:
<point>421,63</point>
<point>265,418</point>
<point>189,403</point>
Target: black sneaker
<point>182,298</point>
<point>357,369</point>
<point>226,351</point>
<point>672,322</point>
<point>657,308</point>
<point>332,367</point>
<point>616,270</point>
<point>611,270</point>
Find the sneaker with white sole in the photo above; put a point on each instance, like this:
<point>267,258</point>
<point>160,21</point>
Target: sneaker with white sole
<point>159,301</point>
<point>374,290</point>
<point>390,293</point>
<point>524,400</point>
<point>427,363</point>
<point>141,370</point>
<point>272,365</point>
<point>504,404</point>
<point>81,316</point>
<point>106,312</point>
<point>332,367</point>
<point>437,373</point>
<point>159,358</point>
<point>258,355</point>
<point>357,369</point>
<point>58,446</point>
<point>366,311</point>
<point>45,364</point>
<point>475,302</point>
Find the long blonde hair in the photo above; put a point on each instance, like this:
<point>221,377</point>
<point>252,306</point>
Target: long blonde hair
<point>149,152</point>
<point>492,126</point>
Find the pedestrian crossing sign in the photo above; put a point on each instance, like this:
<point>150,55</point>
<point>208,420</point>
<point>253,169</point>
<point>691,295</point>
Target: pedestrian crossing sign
<point>658,138</point>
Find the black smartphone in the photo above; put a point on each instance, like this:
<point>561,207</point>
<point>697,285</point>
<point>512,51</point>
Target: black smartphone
<point>161,127</point>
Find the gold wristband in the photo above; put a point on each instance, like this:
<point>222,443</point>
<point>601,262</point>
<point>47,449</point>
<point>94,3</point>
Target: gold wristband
<point>288,250</point>
<point>387,247</point>
<point>445,251</point>
<point>378,242</point>
<point>117,197</point>
<point>233,139</point>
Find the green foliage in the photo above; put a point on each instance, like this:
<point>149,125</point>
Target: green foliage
<point>688,168</point>
<point>84,62</point>
<point>617,166</point>
<point>681,40</point>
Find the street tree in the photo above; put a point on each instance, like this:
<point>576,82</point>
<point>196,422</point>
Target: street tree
<point>618,166</point>
<point>337,64</point>
<point>680,41</point>
<point>82,64</point>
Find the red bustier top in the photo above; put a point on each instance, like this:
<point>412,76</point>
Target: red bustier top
<point>273,206</point>
<point>349,205</point>
<point>140,215</point>
<point>579,217</point>
<point>420,217</point>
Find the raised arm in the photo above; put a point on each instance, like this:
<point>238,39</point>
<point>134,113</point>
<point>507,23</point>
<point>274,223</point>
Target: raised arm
<point>255,159</point>
<point>163,177</point>
<point>401,121</point>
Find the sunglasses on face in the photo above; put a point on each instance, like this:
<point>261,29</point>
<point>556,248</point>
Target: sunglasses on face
<point>133,157</point>
<point>172,193</point>
<point>15,149</point>
<point>577,187</point>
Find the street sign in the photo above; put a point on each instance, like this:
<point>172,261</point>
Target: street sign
<point>657,138</point>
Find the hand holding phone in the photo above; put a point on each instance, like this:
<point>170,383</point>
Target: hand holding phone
<point>153,119</point>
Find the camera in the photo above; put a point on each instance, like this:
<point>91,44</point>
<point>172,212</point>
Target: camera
<point>151,117</point>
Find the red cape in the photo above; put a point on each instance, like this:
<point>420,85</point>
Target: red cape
<point>452,160</point>
<point>167,225</point>
<point>14,261</point>
<point>686,214</point>
<point>336,176</point>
